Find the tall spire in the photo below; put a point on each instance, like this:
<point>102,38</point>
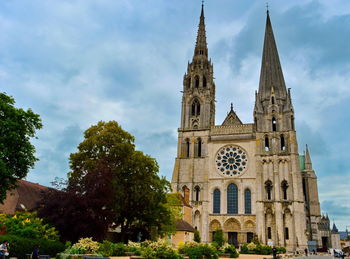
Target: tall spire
<point>271,75</point>
<point>308,163</point>
<point>201,43</point>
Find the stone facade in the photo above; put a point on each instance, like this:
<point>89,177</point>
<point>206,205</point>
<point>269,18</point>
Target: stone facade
<point>245,179</point>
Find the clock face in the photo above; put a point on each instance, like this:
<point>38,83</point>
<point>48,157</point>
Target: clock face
<point>231,160</point>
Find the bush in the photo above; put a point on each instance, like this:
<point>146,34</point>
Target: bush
<point>263,249</point>
<point>111,249</point>
<point>21,246</point>
<point>28,225</point>
<point>219,238</point>
<point>158,250</point>
<point>87,245</point>
<point>197,237</point>
<point>244,249</point>
<point>197,251</point>
<point>281,250</point>
<point>231,249</point>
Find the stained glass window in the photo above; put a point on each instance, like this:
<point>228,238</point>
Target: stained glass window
<point>232,199</point>
<point>248,201</point>
<point>216,199</point>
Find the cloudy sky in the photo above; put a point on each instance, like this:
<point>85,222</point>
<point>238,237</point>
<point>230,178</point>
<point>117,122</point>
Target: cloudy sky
<point>78,62</point>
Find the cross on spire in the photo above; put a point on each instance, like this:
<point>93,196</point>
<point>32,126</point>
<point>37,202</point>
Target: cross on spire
<point>267,7</point>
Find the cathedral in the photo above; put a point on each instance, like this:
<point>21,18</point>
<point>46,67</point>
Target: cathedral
<point>246,179</point>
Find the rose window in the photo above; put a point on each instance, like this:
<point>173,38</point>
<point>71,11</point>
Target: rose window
<point>231,161</point>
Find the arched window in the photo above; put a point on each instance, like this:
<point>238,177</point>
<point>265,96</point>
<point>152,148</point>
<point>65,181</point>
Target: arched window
<point>269,234</point>
<point>204,81</point>
<point>272,100</point>
<point>199,147</point>
<point>268,188</point>
<point>197,191</point>
<point>274,124</point>
<point>283,144</point>
<point>197,82</point>
<point>232,199</point>
<point>284,186</point>
<point>286,233</point>
<point>267,144</point>
<point>216,201</point>
<point>187,151</point>
<point>186,193</point>
<point>247,201</point>
<point>196,108</point>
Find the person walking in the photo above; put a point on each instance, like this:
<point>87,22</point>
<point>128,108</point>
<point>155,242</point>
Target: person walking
<point>274,252</point>
<point>35,253</point>
<point>306,252</point>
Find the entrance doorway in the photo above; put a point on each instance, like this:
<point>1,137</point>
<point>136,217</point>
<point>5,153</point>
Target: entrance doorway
<point>232,238</point>
<point>325,243</point>
<point>250,236</point>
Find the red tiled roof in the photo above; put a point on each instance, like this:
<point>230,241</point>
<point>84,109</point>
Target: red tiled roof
<point>24,197</point>
<point>182,225</point>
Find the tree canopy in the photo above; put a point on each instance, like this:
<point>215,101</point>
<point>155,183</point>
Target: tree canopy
<point>112,184</point>
<point>17,154</point>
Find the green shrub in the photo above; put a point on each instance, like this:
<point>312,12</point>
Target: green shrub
<point>28,225</point>
<point>197,251</point>
<point>231,249</point>
<point>219,238</point>
<point>112,249</point>
<point>197,237</point>
<point>281,250</point>
<point>21,246</point>
<point>244,249</point>
<point>158,250</point>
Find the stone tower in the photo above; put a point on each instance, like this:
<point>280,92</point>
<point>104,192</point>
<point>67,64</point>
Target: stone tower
<point>198,100</point>
<point>280,204</point>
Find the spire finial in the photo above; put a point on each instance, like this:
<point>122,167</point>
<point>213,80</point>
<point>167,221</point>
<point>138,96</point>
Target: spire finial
<point>231,106</point>
<point>267,7</point>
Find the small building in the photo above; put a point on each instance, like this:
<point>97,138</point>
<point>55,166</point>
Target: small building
<point>184,229</point>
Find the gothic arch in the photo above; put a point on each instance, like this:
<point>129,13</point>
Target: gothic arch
<point>195,107</point>
<point>232,225</point>
<point>249,226</point>
<point>214,225</point>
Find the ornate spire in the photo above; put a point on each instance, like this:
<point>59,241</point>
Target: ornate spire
<point>271,72</point>
<point>308,163</point>
<point>201,43</point>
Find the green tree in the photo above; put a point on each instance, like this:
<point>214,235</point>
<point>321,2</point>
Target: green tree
<point>119,185</point>
<point>17,127</point>
<point>219,238</point>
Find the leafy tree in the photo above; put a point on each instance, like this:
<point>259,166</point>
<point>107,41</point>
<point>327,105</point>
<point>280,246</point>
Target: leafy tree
<point>17,127</point>
<point>112,183</point>
<point>78,212</point>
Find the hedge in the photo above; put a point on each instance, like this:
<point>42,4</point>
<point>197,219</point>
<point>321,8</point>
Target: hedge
<point>20,246</point>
